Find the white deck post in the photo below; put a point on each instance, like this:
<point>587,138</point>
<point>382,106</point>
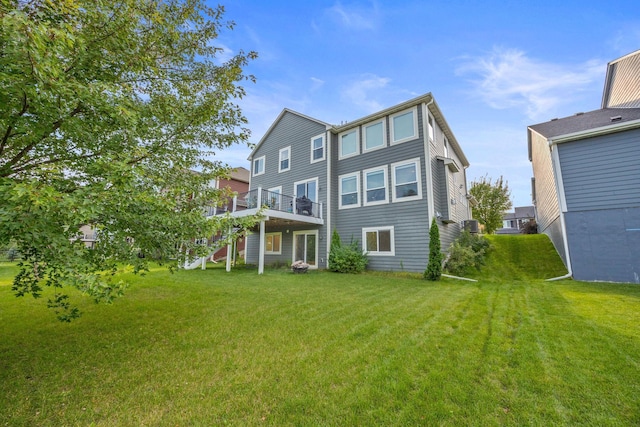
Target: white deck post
<point>229,247</point>
<point>261,249</point>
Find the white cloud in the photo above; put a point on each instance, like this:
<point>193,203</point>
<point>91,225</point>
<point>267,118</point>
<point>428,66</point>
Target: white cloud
<point>354,17</point>
<point>316,83</point>
<point>508,78</point>
<point>360,93</point>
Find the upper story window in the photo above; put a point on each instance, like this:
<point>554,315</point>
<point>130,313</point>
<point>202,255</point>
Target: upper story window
<point>404,126</point>
<point>374,136</point>
<point>285,159</point>
<point>317,148</point>
<point>349,188</point>
<point>258,166</point>
<point>406,180</point>
<point>431,132</point>
<point>446,147</point>
<point>375,185</point>
<point>349,144</point>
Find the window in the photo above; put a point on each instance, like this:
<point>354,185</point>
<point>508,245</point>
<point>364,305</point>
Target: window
<point>404,126</point>
<point>274,198</point>
<point>273,243</point>
<point>378,241</point>
<point>349,143</point>
<point>258,166</point>
<point>317,148</point>
<point>374,136</point>
<point>446,147</point>
<point>308,188</point>
<point>349,190</point>
<point>285,160</point>
<point>431,129</point>
<point>406,181</point>
<point>375,184</point>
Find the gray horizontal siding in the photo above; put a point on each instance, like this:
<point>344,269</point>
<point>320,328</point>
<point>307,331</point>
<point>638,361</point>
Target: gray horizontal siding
<point>602,172</point>
<point>409,219</point>
<point>605,244</point>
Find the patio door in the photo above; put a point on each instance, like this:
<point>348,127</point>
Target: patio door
<point>305,247</point>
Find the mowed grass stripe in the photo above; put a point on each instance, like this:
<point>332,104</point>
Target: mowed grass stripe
<point>211,348</point>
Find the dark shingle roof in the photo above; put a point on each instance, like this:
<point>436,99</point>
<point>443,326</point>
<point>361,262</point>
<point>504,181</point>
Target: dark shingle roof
<point>585,121</point>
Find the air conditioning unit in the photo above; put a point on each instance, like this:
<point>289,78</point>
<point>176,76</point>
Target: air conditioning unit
<point>471,225</point>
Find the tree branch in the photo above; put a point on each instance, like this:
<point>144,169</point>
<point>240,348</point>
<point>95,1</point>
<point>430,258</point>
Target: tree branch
<point>9,132</point>
<point>55,126</point>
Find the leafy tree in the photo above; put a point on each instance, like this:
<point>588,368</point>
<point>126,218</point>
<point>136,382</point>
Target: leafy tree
<point>494,199</point>
<point>434,267</point>
<point>105,108</point>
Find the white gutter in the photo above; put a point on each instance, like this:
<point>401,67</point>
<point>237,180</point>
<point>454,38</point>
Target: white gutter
<point>328,192</point>
<point>603,130</point>
<point>427,160</point>
<point>562,201</point>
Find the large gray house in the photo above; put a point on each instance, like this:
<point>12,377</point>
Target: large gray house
<point>378,180</point>
<point>586,185</point>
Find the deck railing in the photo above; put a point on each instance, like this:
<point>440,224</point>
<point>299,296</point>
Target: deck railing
<point>270,200</point>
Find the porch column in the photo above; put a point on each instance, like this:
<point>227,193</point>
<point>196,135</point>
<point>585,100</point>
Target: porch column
<point>229,248</point>
<point>261,249</point>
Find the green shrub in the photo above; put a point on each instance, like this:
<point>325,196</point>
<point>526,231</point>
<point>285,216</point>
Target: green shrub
<point>346,258</point>
<point>467,252</point>
<point>434,267</point>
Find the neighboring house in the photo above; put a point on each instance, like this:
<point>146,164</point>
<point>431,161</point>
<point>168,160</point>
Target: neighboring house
<point>237,182</point>
<point>513,222</point>
<point>586,184</point>
<point>378,180</point>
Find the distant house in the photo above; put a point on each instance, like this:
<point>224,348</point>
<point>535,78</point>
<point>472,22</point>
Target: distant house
<point>378,180</point>
<point>586,184</point>
<point>238,183</point>
<point>513,222</point>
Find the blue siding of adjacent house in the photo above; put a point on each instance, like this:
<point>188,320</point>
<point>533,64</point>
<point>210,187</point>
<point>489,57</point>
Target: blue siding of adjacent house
<point>601,177</point>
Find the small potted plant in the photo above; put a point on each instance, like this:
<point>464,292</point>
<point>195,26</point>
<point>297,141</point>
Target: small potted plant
<point>299,267</point>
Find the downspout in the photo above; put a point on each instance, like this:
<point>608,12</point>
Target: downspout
<point>555,163</point>
<point>328,193</point>
<point>427,161</point>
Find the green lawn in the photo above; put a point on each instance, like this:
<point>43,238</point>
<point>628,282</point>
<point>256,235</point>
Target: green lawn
<point>213,348</point>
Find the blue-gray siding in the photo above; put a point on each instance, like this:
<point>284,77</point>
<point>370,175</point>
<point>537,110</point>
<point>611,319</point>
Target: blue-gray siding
<point>602,172</point>
<point>605,244</point>
<point>295,131</point>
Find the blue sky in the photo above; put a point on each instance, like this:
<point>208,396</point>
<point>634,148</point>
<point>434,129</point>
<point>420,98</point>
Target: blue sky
<point>494,67</point>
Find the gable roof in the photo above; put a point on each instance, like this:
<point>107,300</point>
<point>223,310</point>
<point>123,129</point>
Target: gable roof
<point>275,122</point>
<point>605,118</point>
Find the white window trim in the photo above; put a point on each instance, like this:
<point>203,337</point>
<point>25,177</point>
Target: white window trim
<point>364,136</point>
<point>378,229</point>
<point>295,186</point>
<point>340,156</point>
<point>340,178</point>
<point>324,148</point>
<point>418,196</point>
<point>253,166</point>
<point>282,150</point>
<point>365,202</point>
<point>414,112</point>
<point>266,252</point>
